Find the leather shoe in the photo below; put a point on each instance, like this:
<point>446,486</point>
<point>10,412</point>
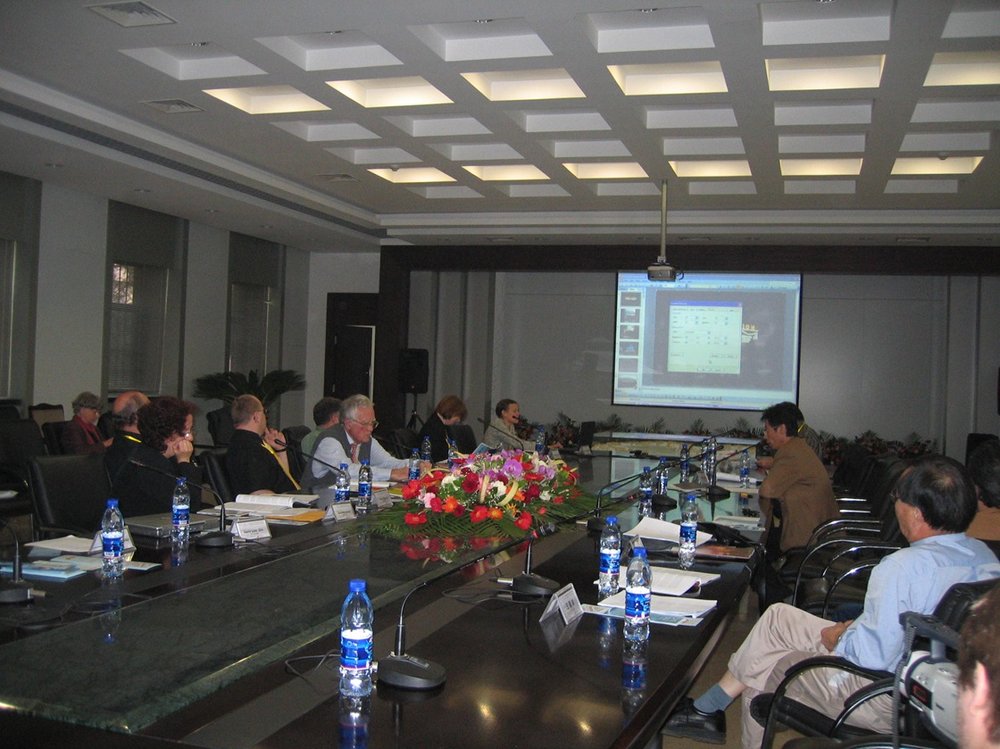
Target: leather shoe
<point>687,721</point>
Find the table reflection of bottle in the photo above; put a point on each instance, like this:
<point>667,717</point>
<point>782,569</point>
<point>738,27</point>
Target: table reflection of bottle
<point>607,633</point>
<point>110,617</point>
<point>633,677</point>
<point>354,715</point>
<point>178,552</point>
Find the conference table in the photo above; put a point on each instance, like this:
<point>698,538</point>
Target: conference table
<point>237,648</point>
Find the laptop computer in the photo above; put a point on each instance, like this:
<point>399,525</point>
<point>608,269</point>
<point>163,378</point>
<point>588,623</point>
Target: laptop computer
<point>159,525</point>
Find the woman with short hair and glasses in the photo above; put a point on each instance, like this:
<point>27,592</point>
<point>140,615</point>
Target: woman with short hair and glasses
<point>145,485</point>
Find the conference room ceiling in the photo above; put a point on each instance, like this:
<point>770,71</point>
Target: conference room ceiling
<point>847,122</point>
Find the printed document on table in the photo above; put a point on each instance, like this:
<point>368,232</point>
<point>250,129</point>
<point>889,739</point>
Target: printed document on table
<point>663,530</point>
<point>66,544</point>
<point>668,605</point>
<point>668,582</point>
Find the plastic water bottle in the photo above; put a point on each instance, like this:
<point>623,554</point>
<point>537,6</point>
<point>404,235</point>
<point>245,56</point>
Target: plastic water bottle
<point>745,468</point>
<point>685,463</point>
<point>646,493</point>
<point>364,502</point>
<point>689,531</point>
<point>637,597</point>
<point>112,541</point>
<point>662,476</point>
<point>413,468</point>
<point>425,448</point>
<point>356,627</point>
<point>180,511</point>
<point>540,441</point>
<point>646,483</point>
<point>342,485</point>
<point>453,457</point>
<point>611,551</point>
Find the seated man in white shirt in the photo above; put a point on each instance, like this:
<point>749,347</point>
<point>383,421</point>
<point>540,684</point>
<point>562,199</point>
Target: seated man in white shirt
<point>350,442</point>
<point>934,501</point>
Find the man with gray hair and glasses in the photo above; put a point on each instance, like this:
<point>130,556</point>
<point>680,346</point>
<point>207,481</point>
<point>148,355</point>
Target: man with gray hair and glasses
<point>350,442</point>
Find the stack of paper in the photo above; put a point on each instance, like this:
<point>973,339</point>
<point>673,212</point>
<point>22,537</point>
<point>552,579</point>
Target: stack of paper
<point>669,582</point>
<point>665,605</point>
<point>663,530</point>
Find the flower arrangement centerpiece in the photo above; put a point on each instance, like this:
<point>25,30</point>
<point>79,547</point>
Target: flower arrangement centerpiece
<point>500,494</point>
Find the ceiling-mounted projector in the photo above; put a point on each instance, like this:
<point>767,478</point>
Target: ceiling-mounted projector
<point>661,270</point>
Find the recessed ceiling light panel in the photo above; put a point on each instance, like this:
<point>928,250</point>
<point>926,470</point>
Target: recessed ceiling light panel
<point>669,78</point>
<point>371,93</point>
<point>964,69</point>
<point>525,85</point>
<point>935,165</point>
<point>267,99</point>
<point>412,175</point>
<point>824,73</point>
<point>820,167</point>
<point>711,169</point>
<point>606,170</point>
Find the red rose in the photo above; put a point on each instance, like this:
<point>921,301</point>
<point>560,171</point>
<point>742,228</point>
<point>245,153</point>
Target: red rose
<point>523,521</point>
<point>411,490</point>
<point>479,514</point>
<point>436,504</point>
<point>415,518</point>
<point>470,483</point>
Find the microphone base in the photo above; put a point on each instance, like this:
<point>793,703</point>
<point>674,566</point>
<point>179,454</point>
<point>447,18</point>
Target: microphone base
<point>16,593</point>
<point>662,503</point>
<point>409,672</point>
<point>214,540</point>
<point>528,583</point>
<point>716,493</point>
<point>595,524</point>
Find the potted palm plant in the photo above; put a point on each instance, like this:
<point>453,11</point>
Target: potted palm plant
<point>226,386</point>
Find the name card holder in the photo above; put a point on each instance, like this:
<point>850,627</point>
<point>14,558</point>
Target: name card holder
<point>339,512</point>
<point>566,602</point>
<point>250,529</point>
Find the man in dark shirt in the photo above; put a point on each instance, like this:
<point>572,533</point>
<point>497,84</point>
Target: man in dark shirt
<point>255,460</point>
<point>125,412</point>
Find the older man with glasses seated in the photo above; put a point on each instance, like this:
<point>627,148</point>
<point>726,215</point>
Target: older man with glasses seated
<point>350,442</point>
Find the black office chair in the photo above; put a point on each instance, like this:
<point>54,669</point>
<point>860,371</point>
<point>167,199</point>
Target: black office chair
<point>214,463</point>
<point>465,438</point>
<point>69,493</point>
<point>42,413</point>
<point>220,426</point>
<point>777,708</point>
<point>52,433</point>
<point>402,441</point>
<point>20,440</point>
<point>293,438</point>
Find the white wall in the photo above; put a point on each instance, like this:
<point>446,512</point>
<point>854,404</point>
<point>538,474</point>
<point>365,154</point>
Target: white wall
<point>894,354</point>
<point>69,333</point>
<point>205,308</point>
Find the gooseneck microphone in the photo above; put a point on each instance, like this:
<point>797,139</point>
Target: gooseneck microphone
<point>312,456</point>
<point>404,671</point>
<point>17,591</point>
<point>528,583</point>
<point>595,524</point>
<point>218,539</point>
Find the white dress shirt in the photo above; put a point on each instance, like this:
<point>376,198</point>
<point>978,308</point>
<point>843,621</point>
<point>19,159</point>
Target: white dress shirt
<point>329,450</point>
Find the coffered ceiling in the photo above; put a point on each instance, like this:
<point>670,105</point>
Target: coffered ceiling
<point>330,125</point>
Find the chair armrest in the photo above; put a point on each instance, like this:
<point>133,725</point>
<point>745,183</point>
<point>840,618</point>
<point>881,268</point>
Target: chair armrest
<point>857,699</point>
<point>849,574</point>
<point>859,547</point>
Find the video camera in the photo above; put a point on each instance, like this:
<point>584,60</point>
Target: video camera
<point>929,681</point>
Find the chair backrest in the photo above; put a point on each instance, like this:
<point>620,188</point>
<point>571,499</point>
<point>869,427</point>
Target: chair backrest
<point>69,492</point>
<point>402,441</point>
<point>465,438</point>
<point>52,433</point>
<point>10,410</point>
<point>20,440</point>
<point>42,413</point>
<point>214,463</point>
<point>220,426</point>
<point>955,604</point>
<point>293,438</point>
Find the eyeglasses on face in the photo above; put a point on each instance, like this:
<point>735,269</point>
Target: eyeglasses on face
<point>368,424</point>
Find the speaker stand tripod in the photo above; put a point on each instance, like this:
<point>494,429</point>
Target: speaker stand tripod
<point>415,423</point>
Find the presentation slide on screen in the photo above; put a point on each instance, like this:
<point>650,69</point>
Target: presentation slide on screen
<point>707,340</point>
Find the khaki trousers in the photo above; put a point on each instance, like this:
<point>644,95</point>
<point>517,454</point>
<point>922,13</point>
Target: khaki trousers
<point>782,637</point>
